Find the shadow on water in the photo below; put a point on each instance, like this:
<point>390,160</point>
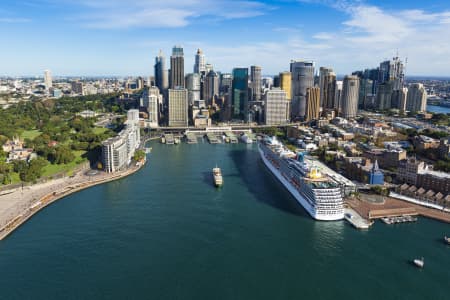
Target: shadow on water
<point>208,178</point>
<point>263,184</point>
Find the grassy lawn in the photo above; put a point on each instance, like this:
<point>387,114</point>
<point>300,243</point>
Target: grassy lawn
<point>99,130</point>
<point>30,134</point>
<point>51,169</point>
<point>15,178</point>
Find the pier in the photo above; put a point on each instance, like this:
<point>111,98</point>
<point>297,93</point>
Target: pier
<point>355,219</point>
<point>400,219</point>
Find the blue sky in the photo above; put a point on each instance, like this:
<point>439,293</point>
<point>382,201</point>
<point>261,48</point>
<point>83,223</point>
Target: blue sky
<point>122,37</point>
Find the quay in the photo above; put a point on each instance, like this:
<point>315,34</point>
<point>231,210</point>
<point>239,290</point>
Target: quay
<point>191,138</point>
<point>394,208</point>
<point>355,219</point>
<point>231,137</point>
<point>30,207</point>
<point>399,219</point>
<point>212,138</point>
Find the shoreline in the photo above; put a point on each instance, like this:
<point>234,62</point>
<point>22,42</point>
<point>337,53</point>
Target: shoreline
<point>54,196</point>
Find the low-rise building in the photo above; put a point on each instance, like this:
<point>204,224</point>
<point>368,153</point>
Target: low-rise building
<point>387,158</point>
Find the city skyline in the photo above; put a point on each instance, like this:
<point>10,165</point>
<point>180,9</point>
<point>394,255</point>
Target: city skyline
<point>93,38</point>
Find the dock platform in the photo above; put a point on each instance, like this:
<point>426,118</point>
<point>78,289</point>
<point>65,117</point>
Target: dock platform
<point>212,138</point>
<point>191,138</point>
<point>355,219</point>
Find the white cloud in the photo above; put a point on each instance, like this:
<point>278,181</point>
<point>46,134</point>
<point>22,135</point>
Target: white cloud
<point>168,13</point>
<point>14,20</point>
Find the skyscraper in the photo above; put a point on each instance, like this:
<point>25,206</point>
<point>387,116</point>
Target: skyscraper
<point>193,87</point>
<point>285,79</point>
<point>161,76</point>
<point>240,92</point>
<point>350,93</point>
<point>276,107</point>
<point>255,78</point>
<point>178,107</point>
<point>327,85</point>
<point>177,68</point>
<point>416,100</point>
<point>48,79</point>
<point>384,95</point>
<point>338,96</point>
<point>212,87</point>
<point>312,103</point>
<point>152,100</point>
<point>302,78</point>
<point>392,70</point>
<point>199,66</point>
<point>399,99</point>
<point>226,81</point>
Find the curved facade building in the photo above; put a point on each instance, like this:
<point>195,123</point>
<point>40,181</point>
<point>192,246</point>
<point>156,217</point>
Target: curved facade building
<point>350,95</point>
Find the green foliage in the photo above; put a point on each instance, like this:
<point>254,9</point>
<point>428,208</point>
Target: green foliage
<point>380,190</point>
<point>442,165</point>
<point>139,155</point>
<point>435,133</point>
<point>33,170</point>
<point>63,155</point>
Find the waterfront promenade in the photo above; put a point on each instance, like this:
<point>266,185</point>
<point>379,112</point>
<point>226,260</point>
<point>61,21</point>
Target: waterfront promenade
<point>392,206</point>
<point>17,207</point>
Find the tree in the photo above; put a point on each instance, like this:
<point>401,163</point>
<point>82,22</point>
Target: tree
<point>63,155</point>
<point>33,170</point>
<point>139,155</point>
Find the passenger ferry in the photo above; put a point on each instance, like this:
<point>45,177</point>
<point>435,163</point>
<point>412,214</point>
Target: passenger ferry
<point>217,175</point>
<point>319,194</point>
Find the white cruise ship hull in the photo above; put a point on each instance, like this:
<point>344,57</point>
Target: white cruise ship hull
<point>300,199</point>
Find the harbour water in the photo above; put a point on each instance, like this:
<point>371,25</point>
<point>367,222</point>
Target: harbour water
<point>167,233</point>
<point>438,109</point>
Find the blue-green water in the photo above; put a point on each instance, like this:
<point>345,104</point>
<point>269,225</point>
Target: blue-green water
<point>438,109</point>
<point>167,233</point>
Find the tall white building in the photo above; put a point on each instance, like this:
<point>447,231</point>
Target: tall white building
<point>302,79</point>
<point>416,100</point>
<point>350,96</point>
<point>256,85</point>
<point>48,79</point>
<point>133,116</point>
<point>193,86</point>
<point>338,96</point>
<point>199,66</point>
<point>152,100</point>
<point>178,107</point>
<point>276,107</point>
<point>118,151</point>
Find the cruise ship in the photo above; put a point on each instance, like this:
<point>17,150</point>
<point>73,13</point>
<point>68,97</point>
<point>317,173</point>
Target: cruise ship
<point>319,194</point>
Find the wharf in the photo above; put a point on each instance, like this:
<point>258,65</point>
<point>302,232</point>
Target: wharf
<point>170,140</point>
<point>399,219</point>
<point>392,212</point>
<point>394,207</point>
<point>355,219</point>
<point>191,138</point>
<point>212,138</point>
<point>232,137</point>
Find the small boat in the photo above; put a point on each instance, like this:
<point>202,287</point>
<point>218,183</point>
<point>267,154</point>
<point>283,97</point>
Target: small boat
<point>217,174</point>
<point>246,139</point>
<point>447,239</point>
<point>419,262</point>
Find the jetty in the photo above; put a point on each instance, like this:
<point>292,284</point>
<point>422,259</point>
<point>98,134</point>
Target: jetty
<point>231,137</point>
<point>212,138</point>
<point>191,138</point>
<point>356,220</point>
